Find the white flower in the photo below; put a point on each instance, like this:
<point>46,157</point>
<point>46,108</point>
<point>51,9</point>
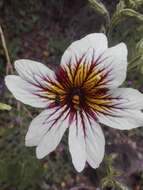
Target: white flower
<point>81,94</point>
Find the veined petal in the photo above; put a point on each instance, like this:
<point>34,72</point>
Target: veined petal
<point>96,42</point>
<point>122,119</point>
<point>33,71</point>
<point>129,98</point>
<point>119,108</point>
<point>95,144</point>
<point>49,127</point>
<point>25,92</point>
<point>114,61</point>
<point>51,140</point>
<point>77,144</point>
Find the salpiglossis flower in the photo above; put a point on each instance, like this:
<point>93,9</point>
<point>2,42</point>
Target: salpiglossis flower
<point>80,95</point>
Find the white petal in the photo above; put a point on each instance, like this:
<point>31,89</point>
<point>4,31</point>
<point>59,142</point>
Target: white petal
<point>50,140</point>
<point>32,70</point>
<point>114,61</point>
<point>129,98</point>
<point>96,42</point>
<point>122,119</point>
<point>95,143</point>
<point>125,112</point>
<point>24,91</point>
<point>42,127</point>
<point>77,144</point>
<point>28,88</point>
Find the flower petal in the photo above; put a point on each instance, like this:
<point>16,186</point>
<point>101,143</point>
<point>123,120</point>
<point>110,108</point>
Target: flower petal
<point>32,70</point>
<point>124,111</point>
<point>128,98</point>
<point>95,144</point>
<point>46,130</point>
<point>114,62</point>
<point>24,91</point>
<point>77,144</point>
<point>122,119</point>
<point>96,42</point>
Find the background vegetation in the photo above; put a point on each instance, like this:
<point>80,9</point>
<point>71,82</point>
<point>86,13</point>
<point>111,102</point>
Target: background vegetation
<point>42,30</point>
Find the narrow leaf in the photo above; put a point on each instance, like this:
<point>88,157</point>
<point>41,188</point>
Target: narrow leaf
<point>4,107</point>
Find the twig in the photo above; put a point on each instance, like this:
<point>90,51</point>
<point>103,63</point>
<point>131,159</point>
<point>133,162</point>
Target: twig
<point>9,67</point>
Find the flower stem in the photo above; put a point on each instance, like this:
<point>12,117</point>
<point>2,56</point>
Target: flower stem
<point>9,67</point>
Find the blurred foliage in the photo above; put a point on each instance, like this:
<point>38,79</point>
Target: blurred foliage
<point>25,14</point>
<point>57,46</point>
<point>100,8</point>
<point>20,169</point>
<point>14,47</point>
<point>127,26</point>
<point>110,180</point>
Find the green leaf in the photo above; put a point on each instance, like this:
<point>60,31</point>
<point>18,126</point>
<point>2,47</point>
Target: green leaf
<point>128,28</point>
<point>121,5</point>
<point>134,4</point>
<point>139,47</point>
<point>101,9</point>
<point>137,61</point>
<point>120,186</point>
<point>4,107</point>
<point>122,15</point>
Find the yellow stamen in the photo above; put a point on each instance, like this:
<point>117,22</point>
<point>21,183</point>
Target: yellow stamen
<point>92,80</point>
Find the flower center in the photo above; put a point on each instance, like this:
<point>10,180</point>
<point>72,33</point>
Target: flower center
<point>80,88</point>
<point>77,96</point>
<point>76,101</point>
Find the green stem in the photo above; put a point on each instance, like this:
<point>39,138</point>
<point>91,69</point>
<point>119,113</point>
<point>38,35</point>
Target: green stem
<point>119,16</point>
